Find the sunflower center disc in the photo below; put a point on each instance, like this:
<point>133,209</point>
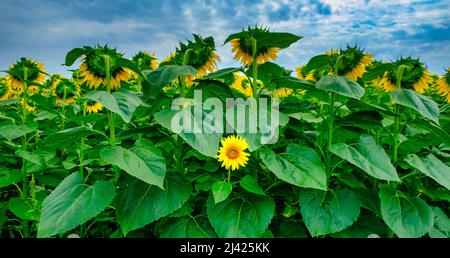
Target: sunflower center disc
<point>232,153</point>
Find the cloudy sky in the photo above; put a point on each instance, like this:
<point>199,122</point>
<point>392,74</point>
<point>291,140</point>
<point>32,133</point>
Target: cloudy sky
<point>46,30</point>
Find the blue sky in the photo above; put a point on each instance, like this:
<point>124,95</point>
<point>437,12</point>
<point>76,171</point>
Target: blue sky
<point>45,30</point>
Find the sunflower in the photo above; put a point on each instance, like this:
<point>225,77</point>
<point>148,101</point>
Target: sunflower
<point>444,85</point>
<point>17,71</point>
<point>6,91</point>
<point>242,48</point>
<point>145,61</point>
<point>415,77</point>
<point>92,68</point>
<point>63,88</point>
<point>305,76</point>
<point>93,107</point>
<point>353,62</point>
<point>202,56</point>
<point>282,92</point>
<point>232,153</point>
<point>242,85</point>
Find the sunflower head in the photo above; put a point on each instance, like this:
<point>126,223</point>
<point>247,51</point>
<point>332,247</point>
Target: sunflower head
<point>313,75</point>
<point>33,70</point>
<point>6,91</point>
<point>202,56</point>
<point>61,86</point>
<point>145,61</point>
<point>415,76</point>
<point>242,48</point>
<point>353,61</point>
<point>232,153</point>
<point>92,68</point>
<point>242,84</point>
<point>444,85</point>
<point>282,92</point>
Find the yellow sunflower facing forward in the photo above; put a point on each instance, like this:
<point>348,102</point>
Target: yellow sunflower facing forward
<point>6,91</point>
<point>232,153</point>
<point>25,67</point>
<point>92,68</point>
<point>444,86</point>
<point>415,77</point>
<point>65,90</point>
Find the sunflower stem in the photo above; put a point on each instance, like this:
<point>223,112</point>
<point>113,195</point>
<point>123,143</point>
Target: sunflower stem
<point>330,133</point>
<point>25,231</point>
<point>112,129</point>
<point>255,68</point>
<point>139,81</point>
<point>399,77</point>
<point>229,175</point>
<point>63,108</point>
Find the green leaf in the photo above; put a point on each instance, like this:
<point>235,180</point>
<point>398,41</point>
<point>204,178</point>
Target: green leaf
<point>67,137</point>
<point>432,167</point>
<point>123,62</point>
<point>239,216</point>
<point>292,229</point>
<point>267,71</point>
<point>250,184</point>
<point>424,105</point>
<point>140,204</point>
<point>221,190</point>
<point>11,131</point>
<point>441,227</point>
<point>268,39</point>
<point>22,209</point>
<point>293,83</point>
<point>31,157</point>
<point>299,165</point>
<point>328,212</point>
<point>407,216</point>
<point>165,74</point>
<point>368,156</point>
<point>9,176</point>
<point>73,203</point>
<point>341,85</point>
<point>120,102</point>
<point>221,73</point>
<point>187,227</point>
<point>147,165</point>
<point>375,71</point>
<point>73,55</point>
<point>316,62</point>
<point>205,143</point>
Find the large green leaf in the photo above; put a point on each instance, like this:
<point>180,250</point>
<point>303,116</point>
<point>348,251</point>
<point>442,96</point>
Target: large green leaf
<point>22,209</point>
<point>267,38</point>
<point>406,216</point>
<point>240,216</point>
<point>368,156</point>
<point>316,62</point>
<point>146,164</point>
<point>222,72</point>
<point>140,204</point>
<point>424,105</point>
<point>250,184</point>
<point>441,227</point>
<point>298,165</point>
<point>221,190</point>
<point>187,227</point>
<point>328,212</point>
<point>206,143</point>
<point>67,137</point>
<point>293,83</point>
<point>122,102</point>
<point>12,131</point>
<point>32,157</point>
<point>341,85</point>
<point>73,203</point>
<point>73,55</point>
<point>432,167</point>
<point>9,176</point>
<point>165,74</point>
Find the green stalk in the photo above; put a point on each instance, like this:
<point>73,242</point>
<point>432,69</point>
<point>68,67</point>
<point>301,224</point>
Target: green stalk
<point>179,149</point>
<point>399,78</point>
<point>255,68</point>
<point>139,81</point>
<point>25,230</point>
<point>63,108</point>
<point>229,175</point>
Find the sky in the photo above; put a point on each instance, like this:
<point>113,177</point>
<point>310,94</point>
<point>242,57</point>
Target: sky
<point>46,30</point>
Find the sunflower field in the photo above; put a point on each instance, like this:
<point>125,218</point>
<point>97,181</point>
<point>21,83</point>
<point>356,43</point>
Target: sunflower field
<point>363,145</point>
